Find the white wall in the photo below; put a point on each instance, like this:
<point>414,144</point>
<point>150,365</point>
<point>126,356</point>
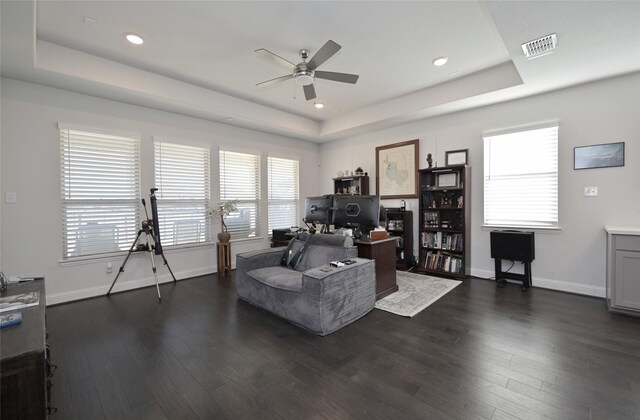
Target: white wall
<point>572,259</point>
<point>30,166</point>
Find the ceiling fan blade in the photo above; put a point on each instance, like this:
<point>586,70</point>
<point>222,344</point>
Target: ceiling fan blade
<point>274,81</point>
<point>326,52</point>
<point>337,77</point>
<point>275,58</point>
<point>309,92</point>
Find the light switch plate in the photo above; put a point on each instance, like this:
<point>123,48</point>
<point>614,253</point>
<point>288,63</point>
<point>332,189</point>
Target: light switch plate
<point>590,191</point>
<point>10,197</point>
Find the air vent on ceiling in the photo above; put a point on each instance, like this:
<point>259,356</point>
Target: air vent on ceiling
<point>539,47</point>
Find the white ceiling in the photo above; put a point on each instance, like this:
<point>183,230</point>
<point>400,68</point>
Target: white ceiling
<point>198,58</point>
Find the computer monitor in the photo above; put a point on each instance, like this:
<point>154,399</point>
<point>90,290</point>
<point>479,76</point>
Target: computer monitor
<point>361,211</point>
<point>318,209</point>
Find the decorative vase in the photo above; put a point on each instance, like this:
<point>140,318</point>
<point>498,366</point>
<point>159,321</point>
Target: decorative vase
<point>224,236</point>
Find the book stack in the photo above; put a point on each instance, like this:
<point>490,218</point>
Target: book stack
<point>442,261</point>
<point>442,240</point>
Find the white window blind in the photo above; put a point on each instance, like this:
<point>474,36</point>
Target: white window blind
<point>521,178</point>
<point>100,186</point>
<point>283,200</point>
<point>182,177</point>
<point>240,180</point>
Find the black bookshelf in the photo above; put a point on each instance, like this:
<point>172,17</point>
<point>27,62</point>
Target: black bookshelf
<point>444,231</point>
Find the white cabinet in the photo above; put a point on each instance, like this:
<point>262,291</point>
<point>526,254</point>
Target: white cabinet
<point>623,270</point>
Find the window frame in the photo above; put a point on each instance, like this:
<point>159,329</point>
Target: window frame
<point>250,204</point>
<point>84,165</point>
<point>538,224</point>
<point>172,202</point>
<point>295,201</point>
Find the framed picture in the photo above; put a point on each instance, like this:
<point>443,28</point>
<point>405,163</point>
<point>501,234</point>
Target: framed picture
<point>447,180</point>
<point>598,156</point>
<point>456,157</point>
<point>397,170</point>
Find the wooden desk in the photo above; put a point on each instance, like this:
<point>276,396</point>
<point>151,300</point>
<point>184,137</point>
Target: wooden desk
<point>24,365</point>
<point>224,258</point>
<point>384,254</point>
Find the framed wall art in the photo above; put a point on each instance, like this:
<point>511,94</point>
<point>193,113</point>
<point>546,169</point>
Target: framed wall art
<point>447,180</point>
<point>598,156</point>
<point>456,157</point>
<point>397,170</point>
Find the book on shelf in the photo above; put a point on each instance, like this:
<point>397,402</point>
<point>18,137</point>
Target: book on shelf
<point>439,261</point>
<point>442,240</point>
<point>7,320</point>
<point>24,300</point>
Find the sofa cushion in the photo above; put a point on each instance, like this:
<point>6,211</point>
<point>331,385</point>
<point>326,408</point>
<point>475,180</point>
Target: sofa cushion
<point>318,255</point>
<point>290,251</point>
<point>279,277</point>
<point>322,250</point>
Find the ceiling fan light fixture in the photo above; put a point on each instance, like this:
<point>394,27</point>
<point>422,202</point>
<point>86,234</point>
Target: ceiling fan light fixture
<point>135,39</point>
<point>440,61</point>
<point>304,77</point>
<point>318,105</point>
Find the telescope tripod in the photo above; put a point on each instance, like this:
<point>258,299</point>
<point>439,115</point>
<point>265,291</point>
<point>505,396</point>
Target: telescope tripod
<point>146,229</point>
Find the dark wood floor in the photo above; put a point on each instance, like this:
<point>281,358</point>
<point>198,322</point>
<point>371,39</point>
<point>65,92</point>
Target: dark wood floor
<point>477,353</point>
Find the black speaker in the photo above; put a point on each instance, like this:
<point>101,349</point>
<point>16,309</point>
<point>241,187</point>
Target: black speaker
<point>513,245</point>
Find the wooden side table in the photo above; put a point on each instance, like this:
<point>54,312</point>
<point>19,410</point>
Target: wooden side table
<point>224,258</point>
<point>383,252</point>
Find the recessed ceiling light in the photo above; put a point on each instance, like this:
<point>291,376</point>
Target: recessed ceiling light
<point>134,38</point>
<point>319,105</point>
<point>440,61</point>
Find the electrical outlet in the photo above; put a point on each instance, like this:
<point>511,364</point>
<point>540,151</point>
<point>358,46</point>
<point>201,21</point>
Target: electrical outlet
<point>590,191</point>
<point>10,197</point>
<point>109,268</point>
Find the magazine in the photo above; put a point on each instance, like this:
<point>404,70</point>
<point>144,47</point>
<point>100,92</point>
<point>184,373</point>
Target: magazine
<point>8,320</point>
<point>11,303</point>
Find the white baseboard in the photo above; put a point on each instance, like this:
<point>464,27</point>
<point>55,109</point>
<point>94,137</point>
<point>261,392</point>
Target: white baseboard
<point>563,286</point>
<point>121,286</point>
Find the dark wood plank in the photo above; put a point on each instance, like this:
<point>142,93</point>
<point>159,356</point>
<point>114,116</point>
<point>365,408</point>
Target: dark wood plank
<point>477,353</point>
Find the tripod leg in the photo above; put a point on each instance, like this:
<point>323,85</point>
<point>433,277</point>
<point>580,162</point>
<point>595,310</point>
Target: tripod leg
<point>167,264</point>
<point>121,270</point>
<point>164,259</point>
<point>155,274</point>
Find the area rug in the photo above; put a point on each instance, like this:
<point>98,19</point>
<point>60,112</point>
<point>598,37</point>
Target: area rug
<point>415,292</point>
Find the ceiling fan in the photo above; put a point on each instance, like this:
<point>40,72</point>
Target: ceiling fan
<point>306,72</point>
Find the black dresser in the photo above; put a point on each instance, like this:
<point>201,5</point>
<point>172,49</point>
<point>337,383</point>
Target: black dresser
<point>25,367</point>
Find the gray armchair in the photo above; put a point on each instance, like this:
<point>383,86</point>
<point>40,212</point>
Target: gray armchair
<point>315,296</point>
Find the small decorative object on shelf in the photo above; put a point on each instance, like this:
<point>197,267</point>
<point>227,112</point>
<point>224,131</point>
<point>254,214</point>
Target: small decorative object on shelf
<point>445,221</point>
<point>223,209</point>
<point>429,160</point>
<point>359,171</point>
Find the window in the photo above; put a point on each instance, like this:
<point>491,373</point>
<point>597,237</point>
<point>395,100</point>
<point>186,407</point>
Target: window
<point>521,178</point>
<point>240,179</point>
<point>283,200</point>
<point>182,178</point>
<point>100,186</point>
